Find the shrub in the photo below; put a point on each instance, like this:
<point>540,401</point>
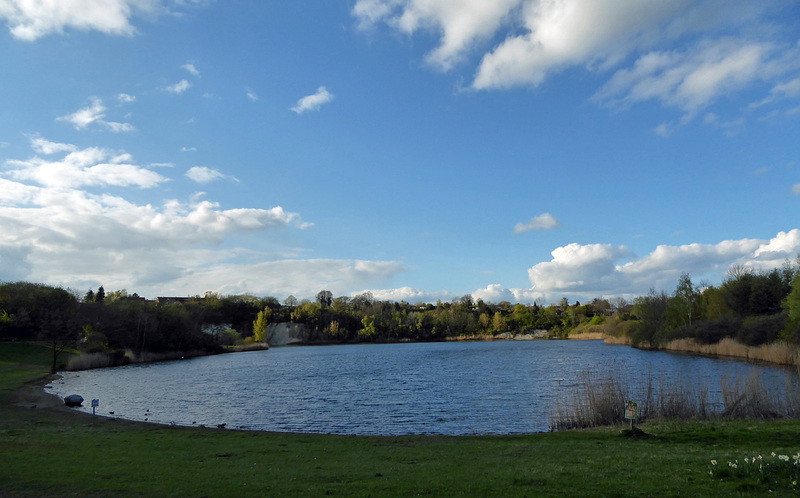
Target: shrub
<point>758,330</point>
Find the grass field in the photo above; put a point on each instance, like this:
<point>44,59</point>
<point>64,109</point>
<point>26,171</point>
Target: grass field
<point>52,452</point>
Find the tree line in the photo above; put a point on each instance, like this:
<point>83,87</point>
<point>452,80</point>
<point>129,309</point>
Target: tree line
<point>751,307</point>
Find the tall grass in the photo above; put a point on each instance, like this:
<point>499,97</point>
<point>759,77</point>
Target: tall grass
<point>779,353</point>
<point>600,395</point>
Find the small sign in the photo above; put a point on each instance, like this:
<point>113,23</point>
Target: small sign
<point>95,403</point>
<point>631,410</point>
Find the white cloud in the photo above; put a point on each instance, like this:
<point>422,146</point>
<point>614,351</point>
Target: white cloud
<point>544,221</point>
<point>30,20</point>
<point>79,168</point>
<point>461,24</point>
<point>43,146</point>
<point>94,113</point>
<point>191,69</point>
<point>496,293</point>
<point>53,230</point>
<point>313,102</point>
<point>407,294</point>
<point>124,98</point>
<point>595,270</point>
<point>539,38</point>
<point>67,236</point>
<point>252,95</point>
<point>796,189</point>
<point>201,174</point>
<point>86,116</point>
<point>689,80</point>
<point>179,87</point>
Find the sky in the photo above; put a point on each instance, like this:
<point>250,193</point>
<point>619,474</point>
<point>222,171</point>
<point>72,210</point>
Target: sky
<point>513,150</point>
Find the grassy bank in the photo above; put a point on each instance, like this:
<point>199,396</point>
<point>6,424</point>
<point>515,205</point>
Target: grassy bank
<point>55,452</point>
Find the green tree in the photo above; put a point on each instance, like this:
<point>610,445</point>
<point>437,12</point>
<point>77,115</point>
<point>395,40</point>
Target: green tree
<point>368,330</point>
<point>683,305</point>
<point>651,312</point>
<point>260,325</point>
<point>499,323</point>
<point>792,306</point>
<point>101,295</point>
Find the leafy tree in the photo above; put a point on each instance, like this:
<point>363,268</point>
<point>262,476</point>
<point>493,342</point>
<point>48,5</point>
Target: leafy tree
<point>683,305</point>
<point>368,327</point>
<point>651,312</point>
<point>792,306</point>
<point>89,297</point>
<point>290,301</point>
<point>260,325</point>
<point>499,323</point>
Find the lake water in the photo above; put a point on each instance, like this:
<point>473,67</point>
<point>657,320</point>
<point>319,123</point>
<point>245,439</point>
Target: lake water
<point>388,389</point>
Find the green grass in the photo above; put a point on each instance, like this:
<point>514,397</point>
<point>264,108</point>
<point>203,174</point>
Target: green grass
<point>21,362</point>
<point>47,454</point>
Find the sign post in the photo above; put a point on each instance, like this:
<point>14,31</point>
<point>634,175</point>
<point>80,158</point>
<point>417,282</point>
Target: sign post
<point>95,404</point>
<point>631,411</point>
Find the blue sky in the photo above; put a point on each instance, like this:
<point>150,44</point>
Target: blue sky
<point>514,150</point>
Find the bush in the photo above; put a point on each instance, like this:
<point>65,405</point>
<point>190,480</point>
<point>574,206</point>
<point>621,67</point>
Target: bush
<point>711,331</point>
<point>757,330</point>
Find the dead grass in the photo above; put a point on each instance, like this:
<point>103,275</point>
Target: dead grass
<point>621,340</point>
<point>587,336</point>
<point>599,399</point>
<point>779,353</point>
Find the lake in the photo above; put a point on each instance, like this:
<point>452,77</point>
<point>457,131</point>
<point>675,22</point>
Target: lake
<point>449,388</point>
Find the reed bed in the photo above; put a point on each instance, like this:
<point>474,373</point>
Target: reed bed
<point>600,395</point>
<point>779,353</point>
<point>587,336</point>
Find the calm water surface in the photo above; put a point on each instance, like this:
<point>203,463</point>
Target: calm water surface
<point>429,388</point>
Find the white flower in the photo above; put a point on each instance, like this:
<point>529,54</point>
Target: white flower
<point>713,462</point>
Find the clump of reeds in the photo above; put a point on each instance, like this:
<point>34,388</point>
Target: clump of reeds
<point>779,353</point>
<point>599,399</point>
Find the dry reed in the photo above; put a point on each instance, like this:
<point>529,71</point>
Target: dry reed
<point>600,396</point>
<point>779,353</point>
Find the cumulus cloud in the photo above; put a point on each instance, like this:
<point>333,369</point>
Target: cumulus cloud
<point>54,230</point>
<point>407,294</point>
<point>32,20</point>
<point>313,102</point>
<point>544,221</point>
<point>604,270</point>
<point>94,113</point>
<point>539,38</point>
<point>179,87</point>
<point>91,167</point>
<point>462,24</point>
<point>496,293</point>
<point>67,236</point>
<point>124,98</point>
